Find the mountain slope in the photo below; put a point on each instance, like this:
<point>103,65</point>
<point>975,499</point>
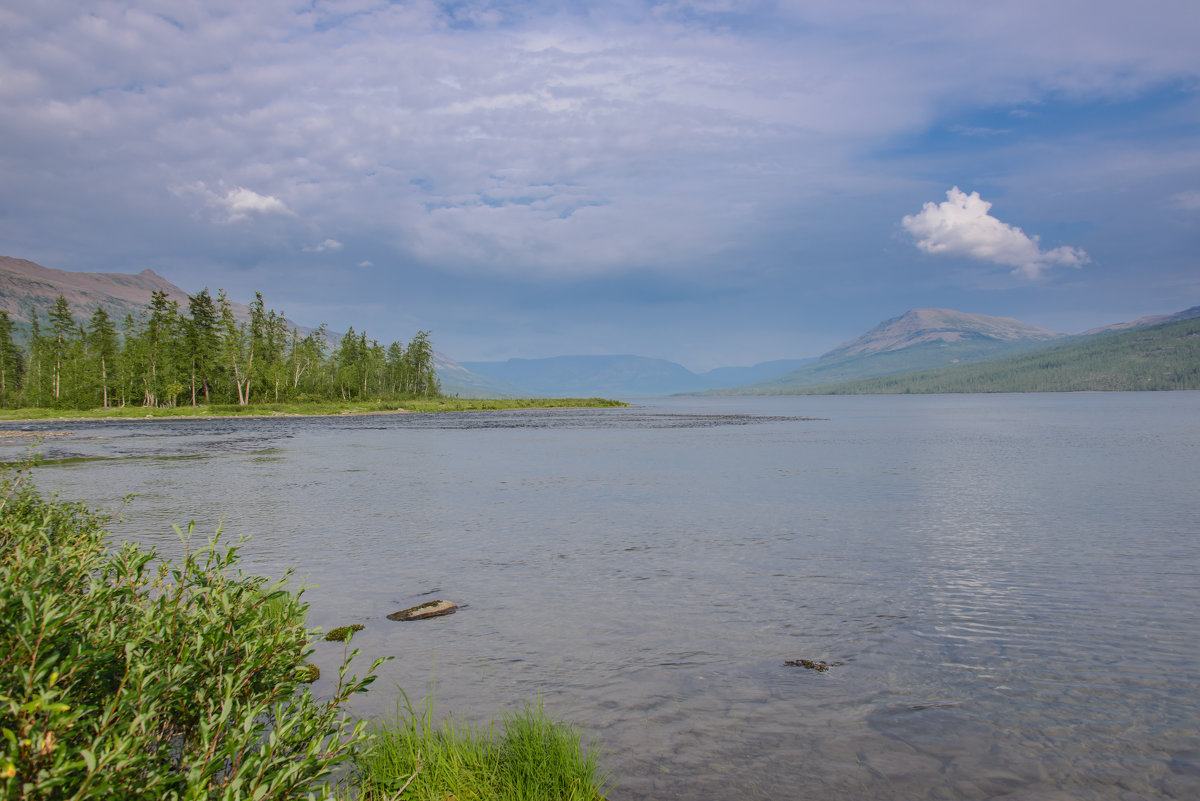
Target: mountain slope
<point>457,380</point>
<point>587,376</point>
<point>930,326</point>
<point>619,376</point>
<point>916,340</point>
<point>1165,356</point>
<point>25,284</point>
<point>1141,322</point>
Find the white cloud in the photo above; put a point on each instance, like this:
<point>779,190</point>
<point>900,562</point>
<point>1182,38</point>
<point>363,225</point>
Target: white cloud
<point>325,246</point>
<point>241,203</point>
<point>235,204</point>
<point>961,226</point>
<point>366,263</point>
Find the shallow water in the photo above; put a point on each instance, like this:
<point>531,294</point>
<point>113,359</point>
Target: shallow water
<point>1009,583</point>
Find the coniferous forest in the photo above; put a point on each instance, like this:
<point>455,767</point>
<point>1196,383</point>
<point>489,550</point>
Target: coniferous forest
<point>169,356</point>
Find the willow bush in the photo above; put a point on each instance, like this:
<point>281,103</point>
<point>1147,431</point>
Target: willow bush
<point>122,676</point>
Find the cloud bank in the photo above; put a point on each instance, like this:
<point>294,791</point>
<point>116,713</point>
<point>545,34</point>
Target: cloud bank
<point>962,226</point>
<point>503,160</point>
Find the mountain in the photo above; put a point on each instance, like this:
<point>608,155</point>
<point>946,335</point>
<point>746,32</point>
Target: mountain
<point>25,284</point>
<point>929,326</point>
<point>588,376</point>
<point>457,380</point>
<point>1141,322</point>
<point>916,340</point>
<point>736,376</point>
<point>1163,356</point>
<point>619,376</point>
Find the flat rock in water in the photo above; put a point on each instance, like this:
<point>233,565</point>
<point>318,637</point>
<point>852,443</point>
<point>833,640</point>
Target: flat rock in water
<point>431,609</point>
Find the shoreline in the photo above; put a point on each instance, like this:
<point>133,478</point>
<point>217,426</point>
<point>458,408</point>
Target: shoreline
<point>201,413</point>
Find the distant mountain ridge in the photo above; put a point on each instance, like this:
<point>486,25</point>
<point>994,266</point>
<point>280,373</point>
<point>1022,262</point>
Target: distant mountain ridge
<point>1142,322</point>
<point>919,339</point>
<point>624,376</point>
<point>1154,357</point>
<point>927,326</point>
<point>25,284</point>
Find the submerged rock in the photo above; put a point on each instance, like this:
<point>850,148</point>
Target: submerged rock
<point>430,609</point>
<point>809,664</point>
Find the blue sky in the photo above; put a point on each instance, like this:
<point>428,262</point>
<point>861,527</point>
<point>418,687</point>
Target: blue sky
<point>710,182</point>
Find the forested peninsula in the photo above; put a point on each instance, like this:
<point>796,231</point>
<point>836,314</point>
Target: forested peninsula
<point>203,360</point>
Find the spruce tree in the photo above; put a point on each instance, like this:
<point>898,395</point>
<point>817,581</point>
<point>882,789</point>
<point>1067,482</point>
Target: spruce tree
<point>102,342</point>
<point>12,363</point>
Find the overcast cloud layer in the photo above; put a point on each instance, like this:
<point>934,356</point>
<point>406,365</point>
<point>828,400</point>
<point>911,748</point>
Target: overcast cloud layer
<point>709,182</point>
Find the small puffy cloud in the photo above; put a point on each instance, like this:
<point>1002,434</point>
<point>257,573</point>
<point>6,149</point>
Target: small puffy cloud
<point>366,263</point>
<point>235,204</point>
<point>324,247</point>
<point>962,226</point>
<point>242,202</point>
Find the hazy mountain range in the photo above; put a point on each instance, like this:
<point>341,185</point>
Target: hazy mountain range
<point>625,376</point>
<point>918,340</point>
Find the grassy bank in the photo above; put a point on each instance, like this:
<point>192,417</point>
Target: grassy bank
<point>324,408</point>
<point>123,676</point>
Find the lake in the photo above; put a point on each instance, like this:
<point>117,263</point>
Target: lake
<point>1007,586</point>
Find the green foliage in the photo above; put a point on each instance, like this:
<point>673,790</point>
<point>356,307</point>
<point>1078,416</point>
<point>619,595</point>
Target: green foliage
<point>168,356</point>
<point>1159,357</point>
<point>123,679</point>
<point>12,362</point>
<point>531,759</point>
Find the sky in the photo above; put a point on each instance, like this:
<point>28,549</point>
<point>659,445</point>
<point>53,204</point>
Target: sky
<point>710,182</point>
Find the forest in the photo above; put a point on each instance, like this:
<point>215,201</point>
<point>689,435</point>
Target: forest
<point>168,356</point>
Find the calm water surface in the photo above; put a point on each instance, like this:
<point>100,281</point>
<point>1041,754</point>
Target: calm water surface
<point>1009,583</point>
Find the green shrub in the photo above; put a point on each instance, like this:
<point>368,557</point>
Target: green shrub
<point>124,678</point>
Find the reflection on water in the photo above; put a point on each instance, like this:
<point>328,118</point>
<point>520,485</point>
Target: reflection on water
<point>1010,583</point>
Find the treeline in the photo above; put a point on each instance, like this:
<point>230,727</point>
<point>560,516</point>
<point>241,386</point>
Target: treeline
<point>169,356</point>
<point>1160,357</point>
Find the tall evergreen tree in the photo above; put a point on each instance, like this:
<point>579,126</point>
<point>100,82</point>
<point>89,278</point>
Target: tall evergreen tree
<point>102,343</point>
<point>348,364</point>
<point>12,362</point>
<point>237,349</point>
<point>62,327</point>
<point>203,343</point>
<point>35,387</point>
<point>419,356</point>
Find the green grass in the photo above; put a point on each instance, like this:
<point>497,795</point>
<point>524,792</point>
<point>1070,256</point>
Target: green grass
<point>530,758</point>
<point>311,408</point>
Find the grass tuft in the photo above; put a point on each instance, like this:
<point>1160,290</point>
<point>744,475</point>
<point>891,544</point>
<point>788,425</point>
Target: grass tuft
<point>532,758</point>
